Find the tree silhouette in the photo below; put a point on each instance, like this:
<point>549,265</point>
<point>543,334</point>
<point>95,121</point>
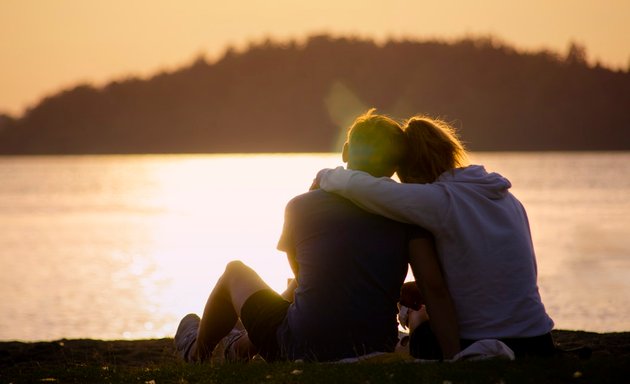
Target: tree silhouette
<point>576,54</point>
<point>296,97</point>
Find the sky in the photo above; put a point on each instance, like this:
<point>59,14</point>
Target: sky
<point>50,45</point>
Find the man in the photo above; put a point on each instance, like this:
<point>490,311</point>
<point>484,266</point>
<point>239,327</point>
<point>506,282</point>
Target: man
<point>349,266</point>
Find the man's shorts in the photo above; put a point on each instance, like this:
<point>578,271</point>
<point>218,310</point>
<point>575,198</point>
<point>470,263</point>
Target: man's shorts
<point>261,314</point>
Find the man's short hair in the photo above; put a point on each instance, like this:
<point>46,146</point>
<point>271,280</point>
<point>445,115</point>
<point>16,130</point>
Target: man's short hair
<point>376,144</point>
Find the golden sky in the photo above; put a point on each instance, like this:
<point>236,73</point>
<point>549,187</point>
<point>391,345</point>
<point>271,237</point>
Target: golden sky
<point>46,45</point>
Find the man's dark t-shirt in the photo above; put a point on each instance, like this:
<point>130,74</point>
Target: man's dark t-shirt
<point>351,267</point>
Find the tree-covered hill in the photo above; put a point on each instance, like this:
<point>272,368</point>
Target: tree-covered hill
<point>295,97</point>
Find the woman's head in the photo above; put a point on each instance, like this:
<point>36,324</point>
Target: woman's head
<point>434,148</point>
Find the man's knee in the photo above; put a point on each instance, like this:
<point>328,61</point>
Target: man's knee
<point>234,266</point>
<point>241,282</point>
<point>236,269</point>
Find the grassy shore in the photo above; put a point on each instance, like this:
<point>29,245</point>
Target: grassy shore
<point>154,362</point>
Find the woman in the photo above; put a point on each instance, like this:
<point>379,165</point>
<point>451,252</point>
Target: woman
<point>481,231</point>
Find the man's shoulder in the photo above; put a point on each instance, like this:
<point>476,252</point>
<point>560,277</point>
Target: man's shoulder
<point>330,204</point>
<point>321,203</point>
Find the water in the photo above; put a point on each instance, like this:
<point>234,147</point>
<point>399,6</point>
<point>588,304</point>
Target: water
<point>123,246</point>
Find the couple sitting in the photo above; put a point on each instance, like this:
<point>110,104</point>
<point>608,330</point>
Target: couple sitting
<point>350,243</point>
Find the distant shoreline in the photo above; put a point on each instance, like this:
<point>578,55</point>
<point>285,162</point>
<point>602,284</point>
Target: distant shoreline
<point>496,151</point>
<point>497,97</point>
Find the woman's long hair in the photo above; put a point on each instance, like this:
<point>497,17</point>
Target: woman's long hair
<point>434,148</point>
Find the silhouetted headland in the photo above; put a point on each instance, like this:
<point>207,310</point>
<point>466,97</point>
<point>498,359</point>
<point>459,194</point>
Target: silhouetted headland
<point>299,97</point>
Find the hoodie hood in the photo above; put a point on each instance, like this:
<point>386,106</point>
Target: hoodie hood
<point>491,185</point>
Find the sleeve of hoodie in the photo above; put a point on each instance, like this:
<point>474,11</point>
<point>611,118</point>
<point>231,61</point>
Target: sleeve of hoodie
<point>419,204</point>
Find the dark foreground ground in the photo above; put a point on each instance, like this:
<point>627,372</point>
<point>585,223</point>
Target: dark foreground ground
<point>154,362</point>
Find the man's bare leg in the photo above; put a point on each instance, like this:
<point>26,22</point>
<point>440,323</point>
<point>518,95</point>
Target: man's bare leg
<point>243,349</point>
<point>223,309</point>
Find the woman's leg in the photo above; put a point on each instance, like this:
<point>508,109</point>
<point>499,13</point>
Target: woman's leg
<point>542,346</point>
<point>423,344</point>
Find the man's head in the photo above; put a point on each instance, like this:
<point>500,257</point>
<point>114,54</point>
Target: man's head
<point>375,144</point>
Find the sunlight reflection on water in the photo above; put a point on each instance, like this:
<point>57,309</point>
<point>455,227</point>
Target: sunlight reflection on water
<point>123,246</point>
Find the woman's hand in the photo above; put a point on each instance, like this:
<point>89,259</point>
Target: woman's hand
<point>318,178</point>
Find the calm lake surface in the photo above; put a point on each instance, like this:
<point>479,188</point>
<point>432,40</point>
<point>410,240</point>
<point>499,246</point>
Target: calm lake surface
<point>123,246</point>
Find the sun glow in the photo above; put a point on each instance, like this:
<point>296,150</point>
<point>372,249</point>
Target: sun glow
<point>213,209</point>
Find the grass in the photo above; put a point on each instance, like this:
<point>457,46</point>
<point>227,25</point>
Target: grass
<point>524,371</point>
<point>153,362</point>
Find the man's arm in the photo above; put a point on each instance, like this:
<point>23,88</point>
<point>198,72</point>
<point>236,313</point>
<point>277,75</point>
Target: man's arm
<point>292,262</point>
<point>287,245</point>
<point>430,280</point>
<point>288,294</point>
<point>419,204</point>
